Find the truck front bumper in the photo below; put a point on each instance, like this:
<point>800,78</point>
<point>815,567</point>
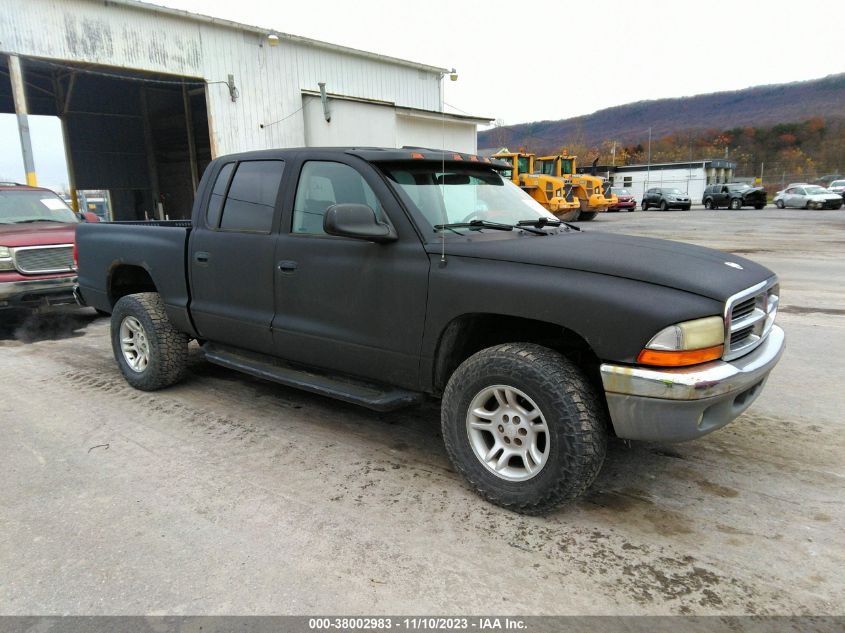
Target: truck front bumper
<point>37,293</point>
<point>674,405</point>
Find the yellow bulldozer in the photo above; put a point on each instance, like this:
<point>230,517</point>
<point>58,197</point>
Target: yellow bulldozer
<point>550,191</point>
<point>591,192</point>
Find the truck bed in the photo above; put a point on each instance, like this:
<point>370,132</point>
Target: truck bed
<point>156,250</point>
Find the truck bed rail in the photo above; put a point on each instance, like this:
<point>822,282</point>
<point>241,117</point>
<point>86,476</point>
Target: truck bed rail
<point>182,224</point>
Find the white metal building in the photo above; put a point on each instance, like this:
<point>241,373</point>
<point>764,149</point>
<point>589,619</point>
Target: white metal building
<point>690,177</point>
<point>149,95</point>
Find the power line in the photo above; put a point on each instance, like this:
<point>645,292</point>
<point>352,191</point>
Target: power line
<point>264,125</point>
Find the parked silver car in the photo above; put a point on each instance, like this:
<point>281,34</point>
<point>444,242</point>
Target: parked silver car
<point>808,197</point>
<point>837,187</point>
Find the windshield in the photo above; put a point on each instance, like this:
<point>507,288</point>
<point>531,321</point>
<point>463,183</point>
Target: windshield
<point>838,183</point>
<point>17,207</point>
<point>676,192</point>
<point>620,192</point>
<point>463,194</point>
<point>739,187</point>
<point>814,191</point>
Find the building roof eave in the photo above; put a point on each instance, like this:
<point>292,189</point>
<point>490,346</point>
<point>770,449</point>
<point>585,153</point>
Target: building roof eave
<point>297,39</point>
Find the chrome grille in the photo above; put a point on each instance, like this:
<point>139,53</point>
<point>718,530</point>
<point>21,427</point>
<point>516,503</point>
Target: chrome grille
<point>749,316</point>
<point>43,259</point>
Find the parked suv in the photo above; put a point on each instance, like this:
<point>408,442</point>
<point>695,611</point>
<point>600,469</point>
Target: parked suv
<point>665,198</point>
<point>37,233</point>
<point>733,195</point>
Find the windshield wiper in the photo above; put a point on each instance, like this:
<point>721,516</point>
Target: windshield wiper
<point>38,220</point>
<point>544,222</point>
<point>476,225</point>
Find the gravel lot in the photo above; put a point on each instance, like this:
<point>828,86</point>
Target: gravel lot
<point>231,495</point>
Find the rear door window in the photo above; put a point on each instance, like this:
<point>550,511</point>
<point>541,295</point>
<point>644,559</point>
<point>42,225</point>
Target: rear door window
<point>251,199</point>
<point>218,195</point>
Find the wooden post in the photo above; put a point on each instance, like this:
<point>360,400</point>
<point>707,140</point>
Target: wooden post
<point>192,149</point>
<point>19,97</point>
<point>152,166</point>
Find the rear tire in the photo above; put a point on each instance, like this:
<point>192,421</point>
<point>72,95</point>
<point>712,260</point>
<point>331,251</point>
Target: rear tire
<point>538,404</point>
<point>586,216</point>
<point>151,353</point>
<point>759,206</point>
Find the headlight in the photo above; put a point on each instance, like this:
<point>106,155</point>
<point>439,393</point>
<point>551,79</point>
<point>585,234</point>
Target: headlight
<point>6,259</point>
<point>687,343</point>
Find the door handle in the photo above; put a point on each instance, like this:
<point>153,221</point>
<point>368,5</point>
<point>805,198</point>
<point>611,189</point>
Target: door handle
<point>201,257</point>
<point>288,266</point>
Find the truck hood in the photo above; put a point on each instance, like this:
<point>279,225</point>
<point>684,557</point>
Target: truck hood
<point>695,269</point>
<point>37,234</point>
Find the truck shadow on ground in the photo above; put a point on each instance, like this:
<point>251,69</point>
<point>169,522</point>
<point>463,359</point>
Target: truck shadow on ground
<point>413,435</point>
<point>28,327</point>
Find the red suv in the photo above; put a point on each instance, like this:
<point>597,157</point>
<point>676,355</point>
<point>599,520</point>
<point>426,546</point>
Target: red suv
<point>625,200</point>
<point>37,231</point>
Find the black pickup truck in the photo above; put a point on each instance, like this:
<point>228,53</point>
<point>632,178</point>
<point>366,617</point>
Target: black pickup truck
<point>384,276</point>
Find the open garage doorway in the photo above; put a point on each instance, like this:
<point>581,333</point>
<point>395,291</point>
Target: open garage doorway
<point>142,137</point>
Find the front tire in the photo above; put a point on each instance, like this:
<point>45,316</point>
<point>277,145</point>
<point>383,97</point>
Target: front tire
<point>524,426</point>
<point>664,206</point>
<point>151,353</point>
<point>759,206</point>
<point>586,216</point>
<point>779,204</point>
<point>735,204</point>
<point>645,205</point>
<point>708,204</point>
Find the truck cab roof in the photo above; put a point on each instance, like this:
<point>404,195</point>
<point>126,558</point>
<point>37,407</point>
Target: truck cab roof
<point>376,155</point>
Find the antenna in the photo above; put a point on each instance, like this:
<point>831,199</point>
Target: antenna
<point>445,218</point>
<point>453,75</point>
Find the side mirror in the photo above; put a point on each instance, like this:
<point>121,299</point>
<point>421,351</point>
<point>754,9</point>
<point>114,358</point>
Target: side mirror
<point>357,221</point>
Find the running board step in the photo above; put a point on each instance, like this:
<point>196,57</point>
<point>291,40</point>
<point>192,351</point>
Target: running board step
<point>370,395</point>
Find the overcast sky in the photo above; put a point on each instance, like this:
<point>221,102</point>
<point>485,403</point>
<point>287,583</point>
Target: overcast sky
<point>531,61</point>
<point>528,61</point>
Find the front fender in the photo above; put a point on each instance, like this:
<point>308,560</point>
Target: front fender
<point>615,316</point>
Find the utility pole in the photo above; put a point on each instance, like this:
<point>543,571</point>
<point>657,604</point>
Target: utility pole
<point>689,170</point>
<point>648,165</point>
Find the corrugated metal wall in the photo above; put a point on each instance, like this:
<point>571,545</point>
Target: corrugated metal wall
<point>269,79</point>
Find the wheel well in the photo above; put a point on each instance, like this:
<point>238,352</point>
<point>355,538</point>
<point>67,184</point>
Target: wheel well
<point>470,333</point>
<point>127,280</point>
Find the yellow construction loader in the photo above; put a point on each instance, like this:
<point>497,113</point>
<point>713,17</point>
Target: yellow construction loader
<point>551,192</point>
<point>592,193</point>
